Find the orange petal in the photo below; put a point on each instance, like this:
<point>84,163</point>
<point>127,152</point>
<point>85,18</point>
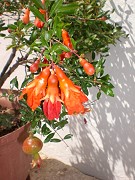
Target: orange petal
<point>73,104</point>
<point>35,90</point>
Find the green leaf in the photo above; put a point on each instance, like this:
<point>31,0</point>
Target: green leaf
<point>36,48</point>
<point>106,77</point>
<point>23,103</point>
<point>99,69</point>
<point>11,97</point>
<point>12,26</point>
<point>68,136</point>
<point>28,26</point>
<point>73,42</point>
<point>53,124</point>
<point>38,4</point>
<point>110,85</point>
<point>47,3</point>
<point>99,95</point>
<point>34,35</point>
<point>57,32</point>
<point>55,7</point>
<point>36,43</point>
<point>55,47</point>
<point>79,71</point>
<point>57,26</point>
<point>55,140</point>
<point>61,124</point>
<point>107,90</point>
<point>62,115</point>
<point>47,35</point>
<point>44,42</point>
<point>25,82</point>
<point>45,130</point>
<point>48,138</point>
<point>1,24</point>
<point>37,13</point>
<point>4,94</point>
<point>47,55</point>
<point>84,88</point>
<point>14,83</point>
<point>2,35</point>
<point>68,8</point>
<point>93,55</point>
<point>33,124</point>
<point>64,48</point>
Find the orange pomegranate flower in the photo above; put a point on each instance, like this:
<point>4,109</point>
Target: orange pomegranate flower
<point>66,39</point>
<point>43,2</point>
<point>38,23</point>
<point>42,11</point>
<point>88,67</point>
<point>72,95</point>
<point>26,17</point>
<point>35,90</point>
<point>52,101</point>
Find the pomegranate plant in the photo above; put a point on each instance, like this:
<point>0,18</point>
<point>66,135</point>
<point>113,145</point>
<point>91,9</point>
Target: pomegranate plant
<point>63,45</point>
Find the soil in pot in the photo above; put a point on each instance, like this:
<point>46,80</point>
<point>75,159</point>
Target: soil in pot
<point>9,120</point>
<point>9,112</point>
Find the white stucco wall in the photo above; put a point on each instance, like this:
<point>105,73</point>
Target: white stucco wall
<point>104,147</point>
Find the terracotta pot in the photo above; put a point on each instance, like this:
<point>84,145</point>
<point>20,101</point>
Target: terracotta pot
<point>14,163</point>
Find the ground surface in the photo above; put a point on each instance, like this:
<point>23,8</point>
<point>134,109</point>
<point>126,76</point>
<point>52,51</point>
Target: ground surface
<point>53,169</point>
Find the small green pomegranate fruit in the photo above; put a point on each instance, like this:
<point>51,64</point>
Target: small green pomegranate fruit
<point>32,145</point>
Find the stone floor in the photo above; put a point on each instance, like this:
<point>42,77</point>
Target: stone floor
<point>53,169</point>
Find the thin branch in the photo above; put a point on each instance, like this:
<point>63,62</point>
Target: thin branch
<point>61,137</point>
<point>58,135</point>
<point>82,19</point>
<point>20,61</point>
<point>8,62</point>
<point>9,72</point>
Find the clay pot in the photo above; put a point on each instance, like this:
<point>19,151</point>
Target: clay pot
<point>14,163</point>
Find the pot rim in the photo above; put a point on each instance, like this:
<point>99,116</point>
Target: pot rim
<point>14,134</point>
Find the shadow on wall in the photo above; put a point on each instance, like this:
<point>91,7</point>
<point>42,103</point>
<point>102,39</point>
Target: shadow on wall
<point>105,146</point>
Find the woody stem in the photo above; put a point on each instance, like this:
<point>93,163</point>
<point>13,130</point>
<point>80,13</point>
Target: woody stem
<point>8,70</point>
